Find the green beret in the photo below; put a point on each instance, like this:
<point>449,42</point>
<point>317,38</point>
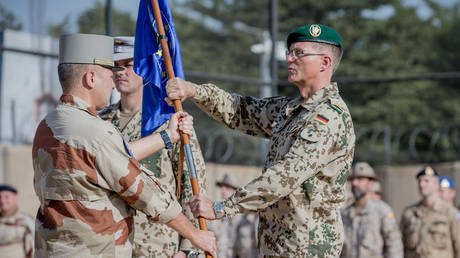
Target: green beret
<point>315,33</point>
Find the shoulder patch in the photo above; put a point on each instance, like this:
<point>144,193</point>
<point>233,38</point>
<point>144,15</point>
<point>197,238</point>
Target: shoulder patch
<point>390,215</point>
<point>334,104</point>
<point>322,119</point>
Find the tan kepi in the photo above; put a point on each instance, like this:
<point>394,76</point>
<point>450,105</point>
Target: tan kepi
<point>87,49</point>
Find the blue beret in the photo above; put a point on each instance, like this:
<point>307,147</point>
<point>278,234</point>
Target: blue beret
<point>446,182</point>
<point>8,188</point>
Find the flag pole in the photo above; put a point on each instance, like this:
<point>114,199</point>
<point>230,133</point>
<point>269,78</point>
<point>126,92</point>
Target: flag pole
<point>178,107</point>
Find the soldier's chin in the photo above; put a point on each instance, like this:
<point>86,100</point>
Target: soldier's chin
<point>358,195</point>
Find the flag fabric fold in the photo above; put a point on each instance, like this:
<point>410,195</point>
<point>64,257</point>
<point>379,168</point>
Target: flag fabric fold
<point>149,63</point>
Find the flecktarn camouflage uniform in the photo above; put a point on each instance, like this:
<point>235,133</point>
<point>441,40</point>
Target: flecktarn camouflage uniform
<point>430,232</point>
<point>17,235</point>
<point>309,158</point>
<point>89,185</point>
<point>154,239</point>
<point>371,231</point>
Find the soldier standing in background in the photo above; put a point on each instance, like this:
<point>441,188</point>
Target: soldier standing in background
<point>301,189</point>
<point>152,239</point>
<point>236,236</point>
<point>16,227</point>
<point>370,226</point>
<point>429,228</point>
<point>377,191</point>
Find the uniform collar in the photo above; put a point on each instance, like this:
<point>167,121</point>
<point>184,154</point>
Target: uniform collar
<point>79,103</point>
<point>318,97</point>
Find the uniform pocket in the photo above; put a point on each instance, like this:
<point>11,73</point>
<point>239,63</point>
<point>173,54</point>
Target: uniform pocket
<point>439,234</point>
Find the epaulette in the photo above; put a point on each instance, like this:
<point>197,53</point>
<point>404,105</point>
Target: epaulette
<point>334,104</point>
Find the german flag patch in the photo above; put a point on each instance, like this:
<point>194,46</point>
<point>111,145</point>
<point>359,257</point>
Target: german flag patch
<point>322,119</point>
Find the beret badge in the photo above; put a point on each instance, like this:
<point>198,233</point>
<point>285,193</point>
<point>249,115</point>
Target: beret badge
<point>315,30</point>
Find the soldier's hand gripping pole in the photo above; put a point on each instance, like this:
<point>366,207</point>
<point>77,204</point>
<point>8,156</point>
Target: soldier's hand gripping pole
<point>178,107</point>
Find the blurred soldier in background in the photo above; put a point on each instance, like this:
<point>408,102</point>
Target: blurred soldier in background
<point>370,226</point>
<point>377,191</point>
<point>16,228</point>
<point>236,236</point>
<point>126,115</point>
<point>447,189</point>
<point>429,227</point>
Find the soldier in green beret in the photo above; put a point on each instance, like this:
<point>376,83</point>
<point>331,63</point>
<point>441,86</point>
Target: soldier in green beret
<point>309,156</point>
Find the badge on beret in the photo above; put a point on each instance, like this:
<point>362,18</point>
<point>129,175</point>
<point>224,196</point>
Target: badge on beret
<point>429,171</point>
<point>445,183</point>
<point>315,30</point>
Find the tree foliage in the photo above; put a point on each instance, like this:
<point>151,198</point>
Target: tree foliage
<point>8,20</point>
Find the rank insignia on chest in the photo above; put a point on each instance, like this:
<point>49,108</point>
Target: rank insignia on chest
<point>322,119</point>
<point>336,106</point>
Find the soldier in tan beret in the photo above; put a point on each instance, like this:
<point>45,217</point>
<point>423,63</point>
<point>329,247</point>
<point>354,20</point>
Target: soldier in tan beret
<point>370,226</point>
<point>429,227</point>
<point>16,227</point>
<point>87,178</point>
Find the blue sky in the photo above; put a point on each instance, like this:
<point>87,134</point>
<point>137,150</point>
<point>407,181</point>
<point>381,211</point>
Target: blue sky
<point>54,11</point>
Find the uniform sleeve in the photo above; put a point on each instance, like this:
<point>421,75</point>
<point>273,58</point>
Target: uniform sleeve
<point>124,175</point>
<point>29,237</point>
<point>248,115</point>
<point>314,147</point>
<point>186,187</point>
<point>393,247</point>
<point>455,231</point>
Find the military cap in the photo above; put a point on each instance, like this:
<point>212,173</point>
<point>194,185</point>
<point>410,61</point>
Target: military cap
<point>315,33</point>
<point>427,171</point>
<point>362,169</point>
<point>446,182</point>
<point>228,180</point>
<point>8,188</point>
<point>123,48</point>
<point>87,49</point>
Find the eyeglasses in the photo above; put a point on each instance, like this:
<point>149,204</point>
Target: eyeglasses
<point>299,53</point>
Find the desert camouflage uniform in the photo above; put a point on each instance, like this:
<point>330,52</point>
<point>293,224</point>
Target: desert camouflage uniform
<point>153,239</point>
<point>89,184</point>
<point>309,158</point>
<point>17,235</point>
<point>371,232</point>
<point>430,232</point>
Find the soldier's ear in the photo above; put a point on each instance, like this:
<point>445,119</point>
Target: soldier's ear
<point>89,79</point>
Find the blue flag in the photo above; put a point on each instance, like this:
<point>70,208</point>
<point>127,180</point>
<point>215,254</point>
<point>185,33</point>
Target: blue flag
<point>149,64</point>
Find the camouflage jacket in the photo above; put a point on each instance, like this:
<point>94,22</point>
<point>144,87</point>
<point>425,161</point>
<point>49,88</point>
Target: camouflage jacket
<point>309,157</point>
<point>430,232</point>
<point>89,185</point>
<point>371,231</point>
<point>17,235</point>
<point>153,239</point>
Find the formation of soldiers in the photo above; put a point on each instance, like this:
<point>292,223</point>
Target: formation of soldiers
<point>106,192</point>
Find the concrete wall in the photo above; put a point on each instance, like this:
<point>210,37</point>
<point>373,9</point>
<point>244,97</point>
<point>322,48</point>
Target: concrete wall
<point>398,182</point>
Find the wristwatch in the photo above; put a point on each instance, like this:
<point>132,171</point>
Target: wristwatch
<point>164,135</point>
<point>191,253</point>
<point>218,210</point>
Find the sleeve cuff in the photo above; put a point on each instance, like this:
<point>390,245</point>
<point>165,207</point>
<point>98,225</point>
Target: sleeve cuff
<point>170,213</point>
<point>200,94</point>
<point>230,208</point>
